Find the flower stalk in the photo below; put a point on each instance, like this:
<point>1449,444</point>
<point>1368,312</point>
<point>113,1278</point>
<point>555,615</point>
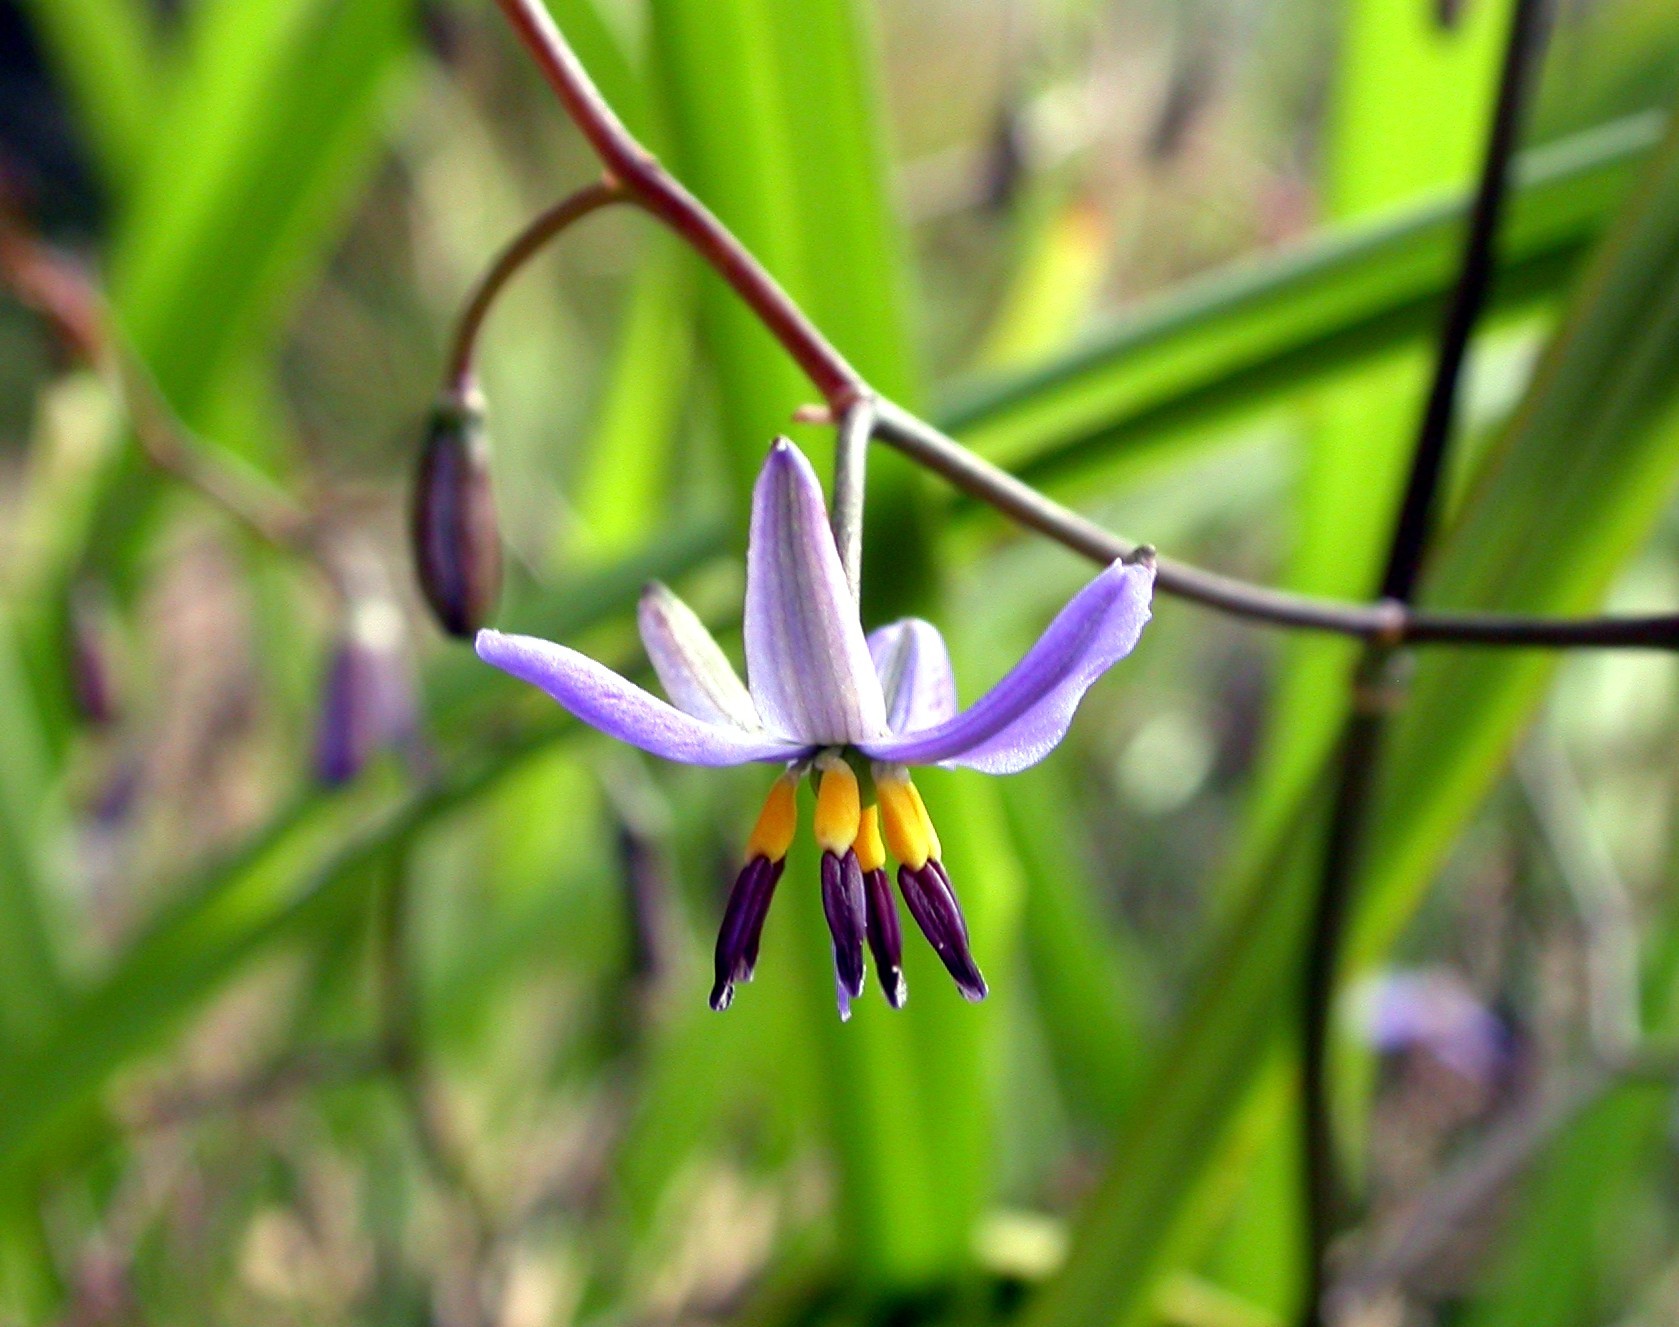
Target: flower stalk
<point>1377,683</point>
<point>651,187</point>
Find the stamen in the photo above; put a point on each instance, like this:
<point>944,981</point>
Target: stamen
<point>935,849</point>
<point>846,909</point>
<point>838,805</point>
<point>743,926</point>
<point>904,818</point>
<point>932,902</point>
<point>777,822</point>
<point>886,937</point>
<point>871,852</point>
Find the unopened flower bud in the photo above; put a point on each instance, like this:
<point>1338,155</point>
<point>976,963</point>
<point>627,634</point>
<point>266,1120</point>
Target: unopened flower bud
<point>368,702</point>
<point>92,666</point>
<point>457,546</point>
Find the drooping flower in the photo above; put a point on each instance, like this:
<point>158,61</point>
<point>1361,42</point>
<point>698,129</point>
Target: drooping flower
<point>822,699</point>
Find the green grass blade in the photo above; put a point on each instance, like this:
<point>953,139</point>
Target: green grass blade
<point>1594,451</point>
<point>1249,336</point>
<point>1088,989</point>
<point>107,53</point>
<point>31,982</point>
<point>241,200</point>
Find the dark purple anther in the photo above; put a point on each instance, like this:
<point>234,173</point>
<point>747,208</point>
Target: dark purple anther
<point>457,545</point>
<point>844,905</point>
<point>743,927</point>
<point>932,902</point>
<point>886,937</point>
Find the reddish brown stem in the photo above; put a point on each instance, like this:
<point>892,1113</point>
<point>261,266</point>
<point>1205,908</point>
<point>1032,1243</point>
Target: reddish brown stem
<point>519,251</point>
<point>661,194</point>
<point>648,184</point>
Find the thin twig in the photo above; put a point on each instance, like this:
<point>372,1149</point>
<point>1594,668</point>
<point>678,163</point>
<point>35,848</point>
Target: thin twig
<point>1377,683</point>
<point>1600,895</point>
<point>54,286</point>
<point>401,1033</point>
<point>649,185</point>
<point>1387,621</point>
<point>298,1071</point>
<point>1447,1207</point>
<point>851,457</point>
<point>1443,1211</point>
<point>519,251</point>
<point>656,190</point>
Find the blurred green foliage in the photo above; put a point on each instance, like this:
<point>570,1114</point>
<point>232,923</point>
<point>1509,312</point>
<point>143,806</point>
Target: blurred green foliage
<point>433,1046</point>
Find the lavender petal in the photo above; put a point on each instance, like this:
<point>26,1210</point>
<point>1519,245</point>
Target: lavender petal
<point>913,664</point>
<point>1022,719</point>
<point>807,663</point>
<point>617,707</point>
<point>692,667</point>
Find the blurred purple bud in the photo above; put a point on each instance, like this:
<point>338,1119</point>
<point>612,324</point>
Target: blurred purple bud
<point>457,545</point>
<point>1006,161</point>
<point>91,662</point>
<point>369,702</point>
<point>645,886</point>
<point>1186,95</point>
<point>1449,13</point>
<point>1435,1012</point>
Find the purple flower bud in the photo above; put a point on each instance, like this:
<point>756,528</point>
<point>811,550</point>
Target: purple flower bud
<point>932,902</point>
<point>843,904</point>
<point>1434,1011</point>
<point>368,701</point>
<point>886,937</point>
<point>92,675</point>
<point>457,545</point>
<point>1006,161</point>
<point>645,886</point>
<point>743,927</point>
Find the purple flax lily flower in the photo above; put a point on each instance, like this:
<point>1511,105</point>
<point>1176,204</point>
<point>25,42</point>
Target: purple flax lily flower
<point>823,697</point>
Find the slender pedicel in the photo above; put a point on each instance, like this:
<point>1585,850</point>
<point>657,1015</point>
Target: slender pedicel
<point>922,878</point>
<point>886,937</point>
<point>838,817</point>
<point>754,887</point>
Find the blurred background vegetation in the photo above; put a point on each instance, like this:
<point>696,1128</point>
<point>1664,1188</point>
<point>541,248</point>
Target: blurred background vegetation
<point>431,1044</point>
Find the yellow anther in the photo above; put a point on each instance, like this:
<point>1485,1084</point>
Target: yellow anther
<point>777,822</point>
<point>904,819</point>
<point>934,847</point>
<point>838,805</point>
<point>871,852</point>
